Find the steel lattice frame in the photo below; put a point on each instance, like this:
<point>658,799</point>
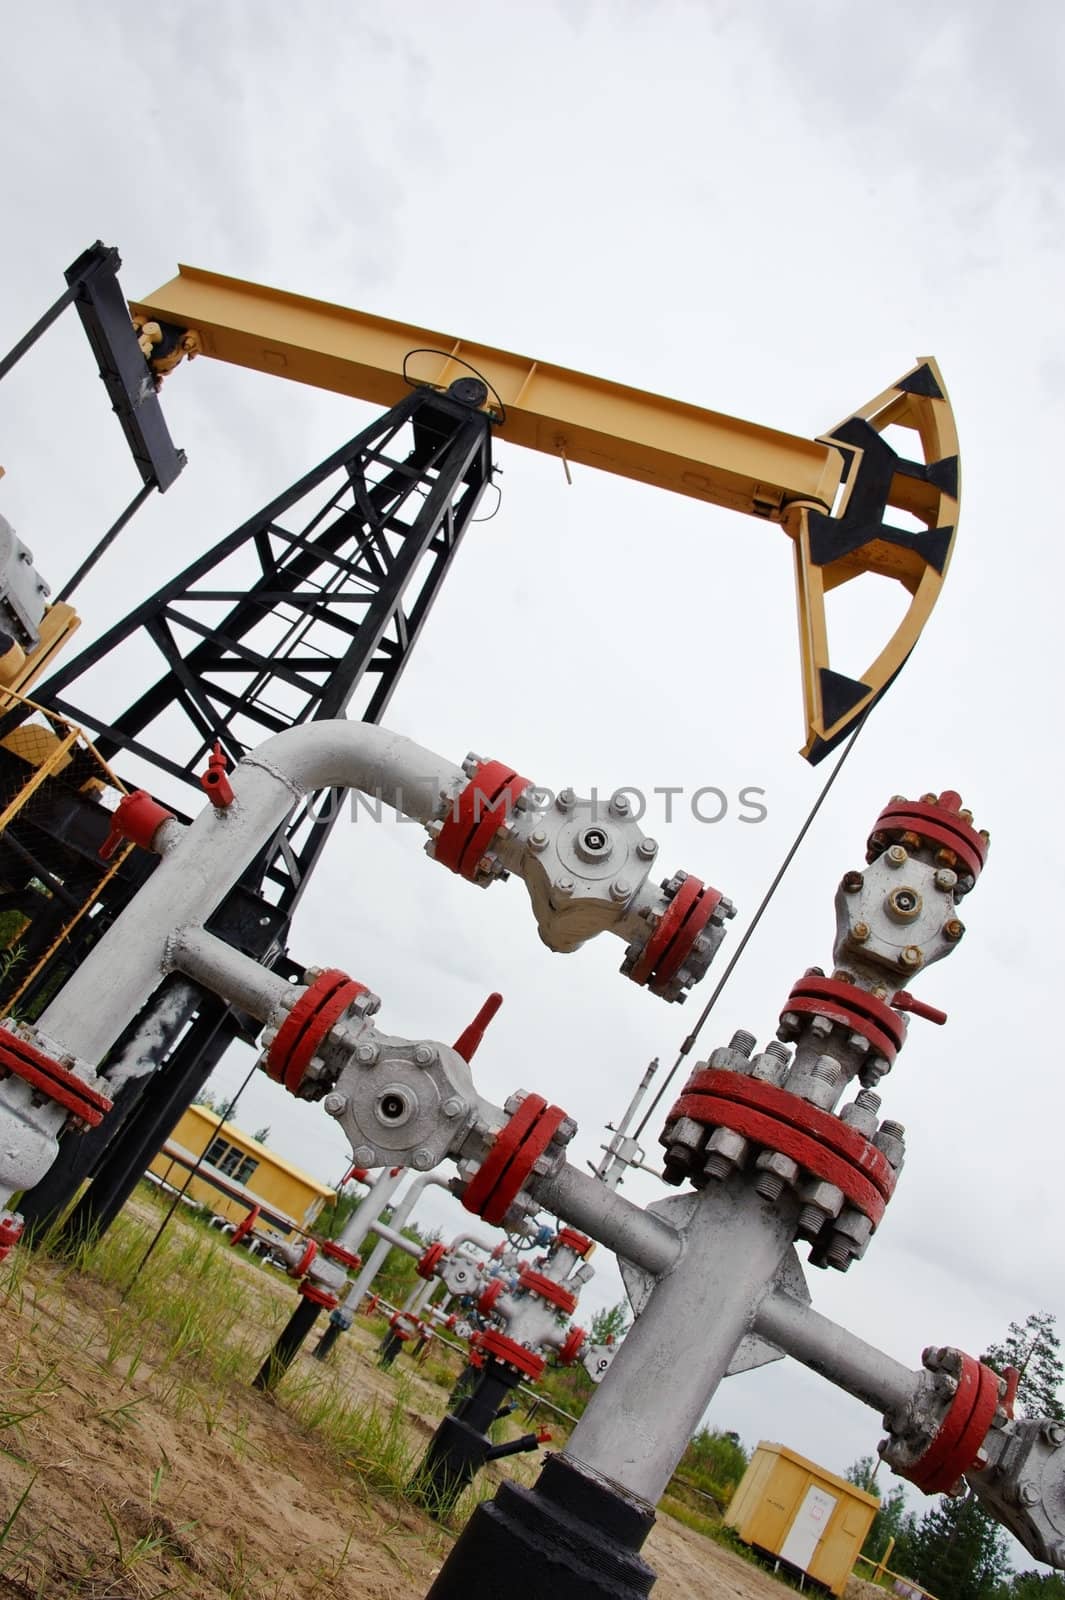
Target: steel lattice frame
<point>309,610</point>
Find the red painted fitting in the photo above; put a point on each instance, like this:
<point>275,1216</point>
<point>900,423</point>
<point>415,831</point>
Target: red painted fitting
<point>474,819</point>
<point>489,1296</point>
<point>358,1174</point>
<point>470,1038</point>
<point>318,1008</point>
<point>570,1239</point>
<point>245,1225</point>
<point>430,1260</point>
<point>10,1234</point>
<point>673,939</point>
<point>934,822</point>
<point>510,1352</point>
<point>902,1000</point>
<point>372,1304</point>
<point>515,1150</point>
<point>544,1436</point>
<point>556,1294</point>
<point>138,818</point>
<point>780,1121</point>
<point>854,1009</point>
<point>572,1346</point>
<point>49,1077</point>
<point>214,782</point>
<point>305,1259</point>
<point>336,1252</point>
<point>319,1297</point>
<point>955,1447</point>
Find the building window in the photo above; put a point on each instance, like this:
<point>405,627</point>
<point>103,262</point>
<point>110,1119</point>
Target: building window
<point>230,1159</point>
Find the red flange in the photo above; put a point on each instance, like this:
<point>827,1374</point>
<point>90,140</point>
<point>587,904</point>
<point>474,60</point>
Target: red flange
<point>319,1297</point>
<point>515,1150</point>
<point>336,1252</point>
<point>510,1352</point>
<point>400,1326</point>
<point>555,1294</point>
<point>430,1260</point>
<point>954,1449</point>
<point>321,1005</point>
<point>777,1120</point>
<point>572,1346</point>
<point>672,941</point>
<point>853,1008</point>
<point>305,1259</point>
<point>570,1239</point>
<point>49,1077</point>
<point>245,1225</point>
<point>474,819</point>
<point>138,818</point>
<point>10,1234</point>
<point>489,1296</point>
<point>938,822</point>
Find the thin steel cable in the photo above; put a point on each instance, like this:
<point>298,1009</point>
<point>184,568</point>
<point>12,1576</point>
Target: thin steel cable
<point>753,924</point>
<point>223,1118</point>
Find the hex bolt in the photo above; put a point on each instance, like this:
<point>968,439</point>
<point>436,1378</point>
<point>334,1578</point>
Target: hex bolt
<point>852,882</point>
<point>770,1186</point>
<point>945,879</point>
<point>619,804</point>
<point>538,839</point>
<point>335,1105</point>
<point>778,1051</point>
<point>268,1037</point>
<point>867,1100</point>
<point>311,974</point>
<point>566,800</point>
<point>1028,1493</point>
<point>453,1106</point>
<point>742,1042</point>
<point>812,1219</point>
<point>838,1254</point>
<point>1054,1432</point>
<point>470,763</point>
<point>896,856</point>
<point>620,889</point>
<point>564,886</point>
<point>860,932</point>
<point>820,1026</point>
<point>364,1155</point>
<point>826,1068</point>
<point>424,1055</point>
<point>647,849</point>
<point>814,972</point>
<point>893,1130</point>
<point>718,1166</point>
<point>366,1054</point>
<point>912,956</point>
<point>423,1160</point>
<point>953,930</point>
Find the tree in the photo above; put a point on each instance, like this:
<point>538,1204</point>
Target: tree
<point>1034,1349</point>
<point>888,1521</point>
<point>262,1134</point>
<point>714,1461</point>
<point>610,1325</point>
<point>1034,1586</point>
<point>955,1551</point>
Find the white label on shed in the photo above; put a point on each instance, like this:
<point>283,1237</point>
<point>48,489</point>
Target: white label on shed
<point>805,1533</point>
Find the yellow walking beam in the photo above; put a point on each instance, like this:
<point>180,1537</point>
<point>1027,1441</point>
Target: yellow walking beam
<point>587,420</point>
<point>834,495</point>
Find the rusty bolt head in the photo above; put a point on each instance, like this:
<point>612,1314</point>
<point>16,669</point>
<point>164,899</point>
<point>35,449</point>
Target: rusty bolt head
<point>852,882</point>
<point>953,930</point>
<point>912,956</point>
<point>860,932</point>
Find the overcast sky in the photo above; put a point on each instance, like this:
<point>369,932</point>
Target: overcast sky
<point>765,209</point>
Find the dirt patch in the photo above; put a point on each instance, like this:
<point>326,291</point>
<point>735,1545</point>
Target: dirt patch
<point>137,1463</point>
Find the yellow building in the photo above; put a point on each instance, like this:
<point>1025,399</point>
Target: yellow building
<point>803,1515</point>
<point>236,1173</point>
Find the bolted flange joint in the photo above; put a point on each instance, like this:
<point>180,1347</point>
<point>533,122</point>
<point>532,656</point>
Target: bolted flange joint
<point>530,1144</point>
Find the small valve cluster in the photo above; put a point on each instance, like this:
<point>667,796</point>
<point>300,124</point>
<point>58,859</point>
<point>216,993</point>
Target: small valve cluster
<point>587,867</point>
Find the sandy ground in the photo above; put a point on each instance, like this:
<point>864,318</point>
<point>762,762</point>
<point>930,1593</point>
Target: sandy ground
<point>141,1481</point>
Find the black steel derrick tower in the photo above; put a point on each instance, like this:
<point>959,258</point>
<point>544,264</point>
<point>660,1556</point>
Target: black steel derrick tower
<point>309,610</point>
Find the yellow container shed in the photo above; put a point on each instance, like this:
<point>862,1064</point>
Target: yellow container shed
<point>231,1172</point>
<point>802,1514</point>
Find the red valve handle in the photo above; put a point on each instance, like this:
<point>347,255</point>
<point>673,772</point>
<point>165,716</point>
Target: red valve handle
<point>543,1435</point>
<point>904,1001</point>
<point>471,1036</point>
<point>214,782</point>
